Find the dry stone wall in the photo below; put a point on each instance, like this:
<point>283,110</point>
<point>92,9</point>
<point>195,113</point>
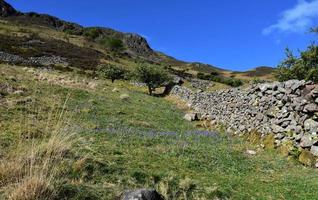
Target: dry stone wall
<point>287,109</point>
<point>38,61</point>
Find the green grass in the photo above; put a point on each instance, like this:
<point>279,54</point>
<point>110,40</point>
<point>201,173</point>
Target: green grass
<point>138,142</point>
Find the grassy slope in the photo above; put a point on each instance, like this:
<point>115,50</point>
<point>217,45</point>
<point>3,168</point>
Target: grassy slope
<point>140,141</point>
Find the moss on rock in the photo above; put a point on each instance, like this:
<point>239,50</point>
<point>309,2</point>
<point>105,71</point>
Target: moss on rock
<point>269,141</point>
<point>254,137</point>
<point>306,158</point>
<point>286,148</point>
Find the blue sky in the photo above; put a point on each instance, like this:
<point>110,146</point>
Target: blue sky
<point>232,34</point>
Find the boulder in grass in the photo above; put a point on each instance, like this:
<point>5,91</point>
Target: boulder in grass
<point>142,194</point>
<point>124,97</point>
<point>191,117</point>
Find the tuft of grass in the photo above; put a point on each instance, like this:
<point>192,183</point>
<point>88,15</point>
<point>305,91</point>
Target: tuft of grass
<point>33,173</point>
<point>41,139</point>
<point>31,188</point>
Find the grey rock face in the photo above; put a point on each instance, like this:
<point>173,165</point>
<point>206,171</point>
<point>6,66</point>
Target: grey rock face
<point>138,46</point>
<point>7,10</point>
<point>142,194</point>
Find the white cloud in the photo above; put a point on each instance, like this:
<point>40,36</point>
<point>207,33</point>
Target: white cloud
<point>298,19</point>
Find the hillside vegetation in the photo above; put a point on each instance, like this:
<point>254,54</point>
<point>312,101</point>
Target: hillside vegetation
<point>77,122</point>
<point>79,138</point>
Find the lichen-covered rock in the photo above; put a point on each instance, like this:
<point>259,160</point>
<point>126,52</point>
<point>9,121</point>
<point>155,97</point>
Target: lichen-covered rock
<point>269,141</point>
<point>286,148</point>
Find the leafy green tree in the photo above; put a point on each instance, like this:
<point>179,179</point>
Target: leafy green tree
<point>304,66</point>
<point>91,33</point>
<point>113,44</point>
<point>217,78</point>
<point>111,72</point>
<point>153,77</point>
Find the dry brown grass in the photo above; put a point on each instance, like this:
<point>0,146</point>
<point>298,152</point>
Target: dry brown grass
<point>182,105</point>
<point>31,170</point>
<point>32,174</point>
<point>31,188</point>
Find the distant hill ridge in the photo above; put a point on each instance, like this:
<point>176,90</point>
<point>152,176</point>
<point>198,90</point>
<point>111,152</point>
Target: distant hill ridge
<point>135,46</point>
<point>134,43</point>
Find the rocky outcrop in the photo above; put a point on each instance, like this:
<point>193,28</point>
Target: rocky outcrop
<point>288,109</point>
<point>7,10</point>
<point>137,45</point>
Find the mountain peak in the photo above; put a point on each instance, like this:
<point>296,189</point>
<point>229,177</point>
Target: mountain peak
<point>7,10</point>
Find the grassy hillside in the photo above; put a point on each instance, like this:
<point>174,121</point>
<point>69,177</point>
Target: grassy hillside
<point>262,73</point>
<point>64,135</point>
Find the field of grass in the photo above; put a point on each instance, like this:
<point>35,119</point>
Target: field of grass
<point>66,136</point>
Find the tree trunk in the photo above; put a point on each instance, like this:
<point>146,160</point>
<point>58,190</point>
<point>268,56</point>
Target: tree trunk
<point>149,90</point>
<point>168,89</point>
<point>113,80</point>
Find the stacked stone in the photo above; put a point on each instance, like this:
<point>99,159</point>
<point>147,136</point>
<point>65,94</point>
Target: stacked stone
<point>200,84</point>
<point>38,61</point>
<point>287,109</point>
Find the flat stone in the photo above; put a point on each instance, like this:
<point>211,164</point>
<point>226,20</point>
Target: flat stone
<point>281,90</point>
<point>265,87</point>
<point>311,126</point>
<point>277,129</point>
<point>306,141</point>
<point>314,150</point>
<point>251,152</point>
<point>312,107</point>
<point>190,117</point>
